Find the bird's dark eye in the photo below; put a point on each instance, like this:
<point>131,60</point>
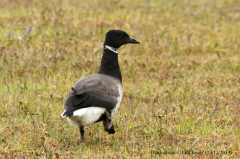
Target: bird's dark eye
<point>124,35</point>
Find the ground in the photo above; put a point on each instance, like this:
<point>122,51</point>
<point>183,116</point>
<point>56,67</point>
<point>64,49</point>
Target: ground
<point>181,85</point>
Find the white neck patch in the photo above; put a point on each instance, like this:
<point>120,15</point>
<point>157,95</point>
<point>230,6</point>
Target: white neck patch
<point>111,48</point>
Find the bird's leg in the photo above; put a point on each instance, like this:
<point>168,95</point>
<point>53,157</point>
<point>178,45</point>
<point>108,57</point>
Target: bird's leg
<point>109,127</point>
<point>81,133</point>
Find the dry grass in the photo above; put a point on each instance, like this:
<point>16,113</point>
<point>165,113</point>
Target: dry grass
<point>181,85</point>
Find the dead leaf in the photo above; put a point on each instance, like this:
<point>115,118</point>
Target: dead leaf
<point>233,145</point>
<point>181,110</point>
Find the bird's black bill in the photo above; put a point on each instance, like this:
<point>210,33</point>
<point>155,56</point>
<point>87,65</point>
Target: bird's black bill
<point>132,40</point>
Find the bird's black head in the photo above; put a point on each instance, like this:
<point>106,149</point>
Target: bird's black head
<point>117,38</point>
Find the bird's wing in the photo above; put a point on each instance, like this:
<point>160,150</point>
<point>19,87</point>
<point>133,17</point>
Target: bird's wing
<point>99,91</point>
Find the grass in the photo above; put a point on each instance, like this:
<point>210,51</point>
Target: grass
<point>181,85</point>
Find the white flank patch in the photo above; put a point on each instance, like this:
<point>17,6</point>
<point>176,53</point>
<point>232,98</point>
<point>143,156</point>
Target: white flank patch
<point>118,103</point>
<point>62,114</point>
<point>86,116</point>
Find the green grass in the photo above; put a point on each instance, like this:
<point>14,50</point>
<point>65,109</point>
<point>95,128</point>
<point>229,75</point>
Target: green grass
<point>181,85</point>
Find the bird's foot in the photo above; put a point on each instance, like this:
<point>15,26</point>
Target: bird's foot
<point>80,142</point>
<point>111,129</point>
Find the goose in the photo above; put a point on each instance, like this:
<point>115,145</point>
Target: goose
<point>97,97</point>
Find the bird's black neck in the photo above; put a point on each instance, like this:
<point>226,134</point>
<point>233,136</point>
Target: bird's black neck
<point>109,64</point>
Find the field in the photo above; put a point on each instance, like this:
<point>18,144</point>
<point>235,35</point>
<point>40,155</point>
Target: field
<point>181,84</point>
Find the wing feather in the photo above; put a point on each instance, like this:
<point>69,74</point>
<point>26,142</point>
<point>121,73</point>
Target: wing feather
<point>96,90</point>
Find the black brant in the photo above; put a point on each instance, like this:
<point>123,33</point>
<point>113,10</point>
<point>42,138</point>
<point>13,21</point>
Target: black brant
<point>97,97</point>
